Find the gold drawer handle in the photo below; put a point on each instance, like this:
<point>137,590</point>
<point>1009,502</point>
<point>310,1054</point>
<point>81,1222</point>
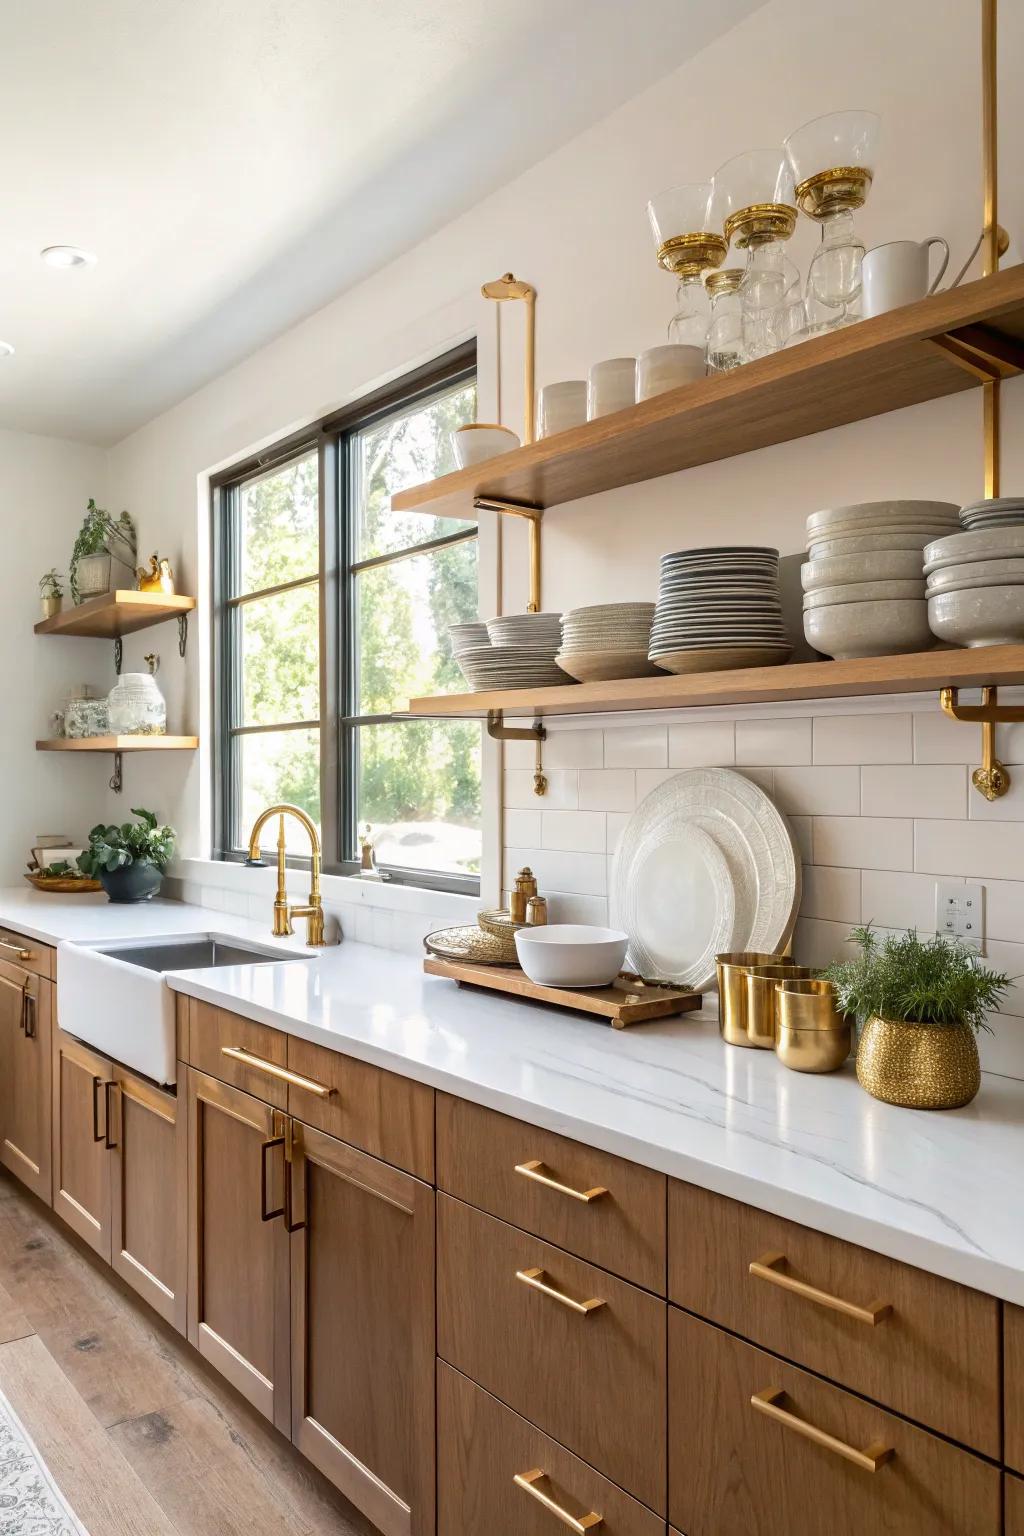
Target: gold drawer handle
<point>16,950</point>
<point>259,1064</point>
<point>767,1268</point>
<point>532,1170</point>
<point>869,1459</point>
<point>534,1279</point>
<point>528,1481</point>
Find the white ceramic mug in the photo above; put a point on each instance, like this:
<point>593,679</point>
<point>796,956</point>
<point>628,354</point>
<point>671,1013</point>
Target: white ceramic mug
<point>611,386</point>
<point>667,367</point>
<point>897,274</point>
<point>561,406</point>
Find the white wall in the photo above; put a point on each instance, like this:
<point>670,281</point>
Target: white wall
<point>44,486</point>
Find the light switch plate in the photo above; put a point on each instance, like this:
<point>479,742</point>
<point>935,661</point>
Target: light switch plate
<point>960,912</point>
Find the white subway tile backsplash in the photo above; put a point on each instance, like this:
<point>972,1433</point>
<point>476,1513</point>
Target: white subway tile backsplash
<point>573,749</point>
<point>1002,1051</point>
<point>767,742</point>
<point>831,893</point>
<point>573,831</point>
<point>861,842</point>
<point>802,828</point>
<point>562,793</point>
<point>818,943</point>
<point>522,829</point>
<point>710,744</point>
<point>616,823</point>
<point>895,899</point>
<point>986,850</point>
<point>636,746</point>
<point>938,739</point>
<point>1008,958</point>
<point>863,739</point>
<point>578,874</point>
<point>1004,909</point>
<point>831,791</point>
<point>564,907</point>
<point>938,790</point>
<point>649,778</point>
<point>607,789</point>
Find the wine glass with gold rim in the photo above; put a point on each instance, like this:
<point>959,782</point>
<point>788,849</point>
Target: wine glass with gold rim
<point>753,200</point>
<point>687,245</point>
<point>832,160</point>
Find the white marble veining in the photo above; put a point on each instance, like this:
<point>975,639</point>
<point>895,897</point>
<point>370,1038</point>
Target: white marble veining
<point>942,1191</point>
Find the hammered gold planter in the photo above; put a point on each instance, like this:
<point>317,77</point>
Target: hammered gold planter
<point>918,1066</point>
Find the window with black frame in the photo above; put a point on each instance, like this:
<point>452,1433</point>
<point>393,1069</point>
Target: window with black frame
<point>331,610</point>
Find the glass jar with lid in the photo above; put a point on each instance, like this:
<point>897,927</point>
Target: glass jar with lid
<point>137,707</point>
<point>84,714</point>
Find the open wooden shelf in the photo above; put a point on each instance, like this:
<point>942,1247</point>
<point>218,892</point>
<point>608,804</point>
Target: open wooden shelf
<point>918,672</point>
<point>115,614</point>
<point>862,370</point>
<point>119,744</point>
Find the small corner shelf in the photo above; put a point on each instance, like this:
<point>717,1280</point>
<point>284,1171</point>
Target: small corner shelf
<point>119,744</point>
<point>115,614</point>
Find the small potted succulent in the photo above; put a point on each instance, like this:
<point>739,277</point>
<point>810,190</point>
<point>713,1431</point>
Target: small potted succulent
<point>51,592</point>
<point>129,860</point>
<point>920,1003</point>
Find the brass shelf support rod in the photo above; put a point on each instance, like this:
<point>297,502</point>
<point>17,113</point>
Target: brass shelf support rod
<point>992,779</point>
<point>497,730</point>
<point>533,515</point>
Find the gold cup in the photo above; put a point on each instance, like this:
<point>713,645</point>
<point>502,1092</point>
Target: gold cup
<point>813,1036</point>
<point>732,992</point>
<point>762,984</point>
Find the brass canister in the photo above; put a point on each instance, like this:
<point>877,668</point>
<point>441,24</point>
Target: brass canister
<point>762,984</point>
<point>813,1036</point>
<point>732,992</point>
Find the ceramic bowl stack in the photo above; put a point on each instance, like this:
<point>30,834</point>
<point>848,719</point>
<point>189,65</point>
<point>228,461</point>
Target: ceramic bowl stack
<point>719,608</point>
<point>519,652</point>
<point>976,585</point>
<point>994,512</point>
<point>864,591</point>
<point>607,640</point>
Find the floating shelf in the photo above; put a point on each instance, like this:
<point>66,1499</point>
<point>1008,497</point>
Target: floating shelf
<point>921,352</point>
<point>115,614</point>
<point>918,672</point>
<point>119,744</point>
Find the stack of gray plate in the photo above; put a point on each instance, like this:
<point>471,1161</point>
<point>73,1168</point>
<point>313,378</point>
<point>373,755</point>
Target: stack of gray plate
<point>994,512</point>
<point>607,640</point>
<point>863,586</point>
<point>719,608</point>
<point>976,586</point>
<point>519,652</point>
<point>463,636</point>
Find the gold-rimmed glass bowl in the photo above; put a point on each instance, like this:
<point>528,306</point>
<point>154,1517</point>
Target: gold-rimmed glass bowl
<point>687,245</point>
<point>753,199</point>
<point>833,160</point>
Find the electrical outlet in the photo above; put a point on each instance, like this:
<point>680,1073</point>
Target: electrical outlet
<point>960,912</point>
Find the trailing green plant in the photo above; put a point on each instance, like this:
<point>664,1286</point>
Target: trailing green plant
<point>50,584</point>
<point>933,981</point>
<point>98,528</point>
<point>140,842</point>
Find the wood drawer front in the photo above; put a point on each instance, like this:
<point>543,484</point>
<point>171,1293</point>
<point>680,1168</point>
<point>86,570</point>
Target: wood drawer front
<point>483,1446</point>
<point>32,956</point>
<point>622,1229</point>
<point>1013,1385</point>
<point>389,1116</point>
<point>733,1468</point>
<point>935,1357</point>
<point>212,1031</point>
<point>595,1381</point>
<point>1014,1491</point>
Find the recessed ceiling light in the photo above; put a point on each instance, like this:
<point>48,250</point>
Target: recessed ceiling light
<point>6,349</point>
<point>67,256</point>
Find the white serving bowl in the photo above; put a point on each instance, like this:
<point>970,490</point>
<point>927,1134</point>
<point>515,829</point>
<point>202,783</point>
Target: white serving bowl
<point>864,592</point>
<point>571,954</point>
<point>846,630</point>
<point>979,616</point>
<point>868,544</point>
<point>886,565</point>
<point>481,440</point>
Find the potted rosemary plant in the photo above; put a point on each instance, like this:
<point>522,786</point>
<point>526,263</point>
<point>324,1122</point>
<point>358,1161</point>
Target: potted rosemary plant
<point>920,1003</point>
<point>129,860</point>
<point>51,592</point>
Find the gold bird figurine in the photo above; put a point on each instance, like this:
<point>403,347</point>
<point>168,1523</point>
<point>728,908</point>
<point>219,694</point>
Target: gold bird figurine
<point>159,577</point>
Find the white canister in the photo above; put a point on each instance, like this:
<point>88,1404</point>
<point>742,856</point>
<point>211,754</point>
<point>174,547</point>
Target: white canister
<point>136,706</point>
<point>611,386</point>
<point>561,406</point>
<point>667,367</point>
<point>897,274</point>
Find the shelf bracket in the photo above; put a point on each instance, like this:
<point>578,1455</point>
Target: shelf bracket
<point>533,515</point>
<point>497,730</point>
<point>992,779</point>
<point>182,634</point>
<point>118,655</point>
<point>117,777</point>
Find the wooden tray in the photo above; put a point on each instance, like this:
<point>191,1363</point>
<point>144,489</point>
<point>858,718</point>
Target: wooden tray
<point>624,1002</point>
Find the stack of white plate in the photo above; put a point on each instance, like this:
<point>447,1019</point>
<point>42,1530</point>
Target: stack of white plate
<point>976,586</point>
<point>994,512</point>
<point>863,586</point>
<point>519,652</point>
<point>719,608</point>
<point>465,635</point>
<point>607,640</point>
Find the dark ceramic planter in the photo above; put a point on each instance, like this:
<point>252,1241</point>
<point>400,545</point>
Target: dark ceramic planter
<point>136,882</point>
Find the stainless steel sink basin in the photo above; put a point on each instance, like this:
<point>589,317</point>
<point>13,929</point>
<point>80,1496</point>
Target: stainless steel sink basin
<point>196,954</point>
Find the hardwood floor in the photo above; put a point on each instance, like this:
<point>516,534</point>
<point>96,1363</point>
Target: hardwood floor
<point>141,1436</point>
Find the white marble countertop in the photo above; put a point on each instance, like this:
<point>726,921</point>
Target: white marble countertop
<point>942,1191</point>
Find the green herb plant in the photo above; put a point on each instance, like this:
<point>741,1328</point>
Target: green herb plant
<point>92,539</point>
<point>140,842</point>
<point>50,584</point>
<point>935,981</point>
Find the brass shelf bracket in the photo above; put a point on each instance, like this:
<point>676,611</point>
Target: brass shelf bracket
<point>992,779</point>
<point>533,515</point>
<point>497,730</point>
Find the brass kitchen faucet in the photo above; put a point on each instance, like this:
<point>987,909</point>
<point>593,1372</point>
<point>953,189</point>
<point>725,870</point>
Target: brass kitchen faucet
<point>313,912</point>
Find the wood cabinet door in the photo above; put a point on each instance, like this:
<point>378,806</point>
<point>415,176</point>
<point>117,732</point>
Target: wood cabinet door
<point>1014,1494</point>
<point>149,1193</point>
<point>363,1329</point>
<point>26,1014</point>
<point>1013,1386</point>
<point>82,1121</point>
<point>237,1243</point>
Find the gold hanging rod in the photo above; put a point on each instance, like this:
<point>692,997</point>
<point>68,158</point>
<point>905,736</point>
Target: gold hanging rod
<point>992,779</point>
<point>497,730</point>
<point>533,515</point>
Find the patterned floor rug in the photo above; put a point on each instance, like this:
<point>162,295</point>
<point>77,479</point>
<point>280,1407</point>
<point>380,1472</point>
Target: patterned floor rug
<point>31,1504</point>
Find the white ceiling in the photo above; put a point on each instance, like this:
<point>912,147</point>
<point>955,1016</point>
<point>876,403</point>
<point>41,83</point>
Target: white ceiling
<point>236,163</point>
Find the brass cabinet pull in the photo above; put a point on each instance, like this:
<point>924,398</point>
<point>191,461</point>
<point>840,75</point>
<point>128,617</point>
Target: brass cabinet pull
<point>869,1459</point>
<point>97,1134</point>
<point>534,1279</point>
<point>28,1015</point>
<point>22,988</point>
<point>528,1481</point>
<point>268,1146</point>
<point>271,1068</point>
<point>292,1150</point>
<point>767,1268</point>
<point>107,1142</point>
<point>16,950</point>
<point>532,1170</point>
